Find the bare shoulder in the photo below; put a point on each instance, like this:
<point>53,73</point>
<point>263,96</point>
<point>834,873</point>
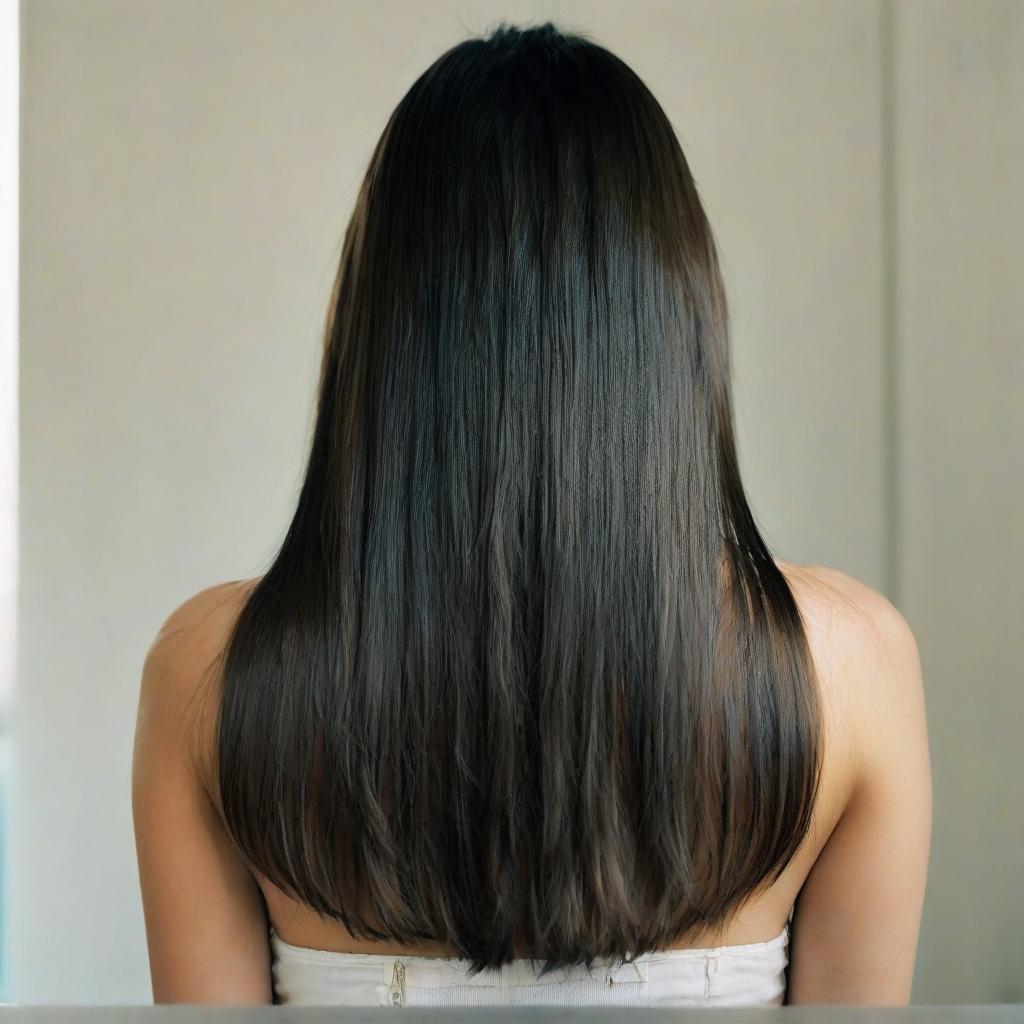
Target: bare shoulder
<point>190,639</point>
<point>865,652</point>
<point>858,910</point>
<point>853,628</point>
<point>204,913</point>
<point>846,610</point>
<point>200,619</point>
<point>180,671</point>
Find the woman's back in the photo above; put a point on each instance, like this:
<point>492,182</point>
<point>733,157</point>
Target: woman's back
<point>761,919</point>
<point>784,937</point>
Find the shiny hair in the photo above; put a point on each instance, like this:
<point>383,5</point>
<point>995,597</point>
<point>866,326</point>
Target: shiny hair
<point>523,673</point>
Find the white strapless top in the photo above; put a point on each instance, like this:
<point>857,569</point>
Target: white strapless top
<point>751,974</point>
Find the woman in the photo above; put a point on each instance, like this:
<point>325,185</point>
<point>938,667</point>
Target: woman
<point>524,710</point>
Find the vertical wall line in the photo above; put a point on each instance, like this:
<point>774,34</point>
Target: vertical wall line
<point>890,291</point>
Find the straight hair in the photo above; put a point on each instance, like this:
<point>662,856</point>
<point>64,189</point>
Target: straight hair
<point>523,673</point>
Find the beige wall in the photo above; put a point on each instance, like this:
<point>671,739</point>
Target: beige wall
<point>187,172</point>
<point>959,170</point>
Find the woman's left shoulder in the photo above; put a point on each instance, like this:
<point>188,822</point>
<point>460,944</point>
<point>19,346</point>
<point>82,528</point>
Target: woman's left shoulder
<point>180,678</point>
<point>201,620</point>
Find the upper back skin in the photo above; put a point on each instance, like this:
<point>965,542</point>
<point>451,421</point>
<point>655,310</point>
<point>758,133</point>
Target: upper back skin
<point>848,627</point>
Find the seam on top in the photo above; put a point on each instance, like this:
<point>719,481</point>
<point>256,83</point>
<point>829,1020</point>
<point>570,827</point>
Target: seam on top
<point>311,955</point>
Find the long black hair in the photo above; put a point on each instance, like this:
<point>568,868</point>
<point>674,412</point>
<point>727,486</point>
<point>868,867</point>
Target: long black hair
<point>523,673</point>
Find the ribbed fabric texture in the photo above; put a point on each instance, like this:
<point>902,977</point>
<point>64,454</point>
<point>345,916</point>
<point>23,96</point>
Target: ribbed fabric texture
<point>752,974</point>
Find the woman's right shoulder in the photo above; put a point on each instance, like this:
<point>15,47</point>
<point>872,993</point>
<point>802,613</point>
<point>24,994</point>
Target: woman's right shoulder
<point>851,626</point>
<point>842,607</point>
<point>859,909</point>
<point>867,661</point>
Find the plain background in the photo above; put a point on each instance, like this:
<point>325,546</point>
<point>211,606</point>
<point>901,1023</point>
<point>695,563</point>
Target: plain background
<point>187,172</point>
